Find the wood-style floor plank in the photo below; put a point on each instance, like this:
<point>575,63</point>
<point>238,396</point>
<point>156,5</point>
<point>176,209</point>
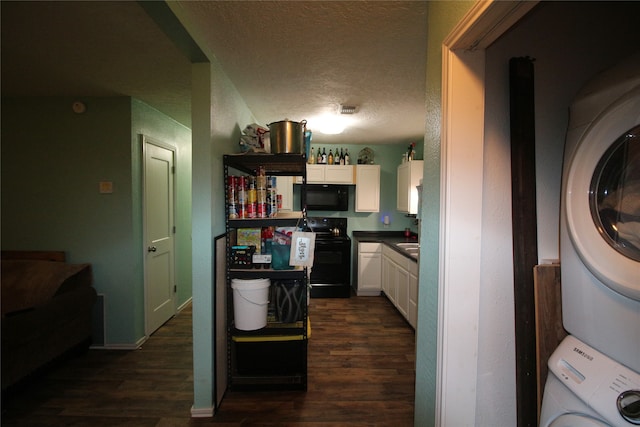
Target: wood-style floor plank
<point>361,370</point>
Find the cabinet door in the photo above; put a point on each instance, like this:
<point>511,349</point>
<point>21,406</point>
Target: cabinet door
<point>402,195</point>
<point>339,174</point>
<point>369,273</point>
<point>402,291</point>
<point>315,174</point>
<point>385,274</point>
<point>412,311</point>
<point>409,176</point>
<point>393,282</point>
<point>367,188</point>
<point>285,188</point>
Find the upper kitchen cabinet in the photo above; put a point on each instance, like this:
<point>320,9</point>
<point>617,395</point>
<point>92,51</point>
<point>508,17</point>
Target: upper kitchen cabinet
<point>367,188</point>
<point>409,176</point>
<point>330,174</point>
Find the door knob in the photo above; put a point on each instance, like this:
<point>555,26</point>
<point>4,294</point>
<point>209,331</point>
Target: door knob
<point>151,249</point>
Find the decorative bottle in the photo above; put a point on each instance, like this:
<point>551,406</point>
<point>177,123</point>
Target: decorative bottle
<point>347,159</point>
<point>312,158</point>
<point>330,158</point>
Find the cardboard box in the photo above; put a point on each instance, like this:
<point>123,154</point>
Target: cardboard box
<point>249,237</point>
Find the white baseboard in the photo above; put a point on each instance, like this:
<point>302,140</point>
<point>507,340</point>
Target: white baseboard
<point>202,412</point>
<point>134,346</point>
<point>184,304</point>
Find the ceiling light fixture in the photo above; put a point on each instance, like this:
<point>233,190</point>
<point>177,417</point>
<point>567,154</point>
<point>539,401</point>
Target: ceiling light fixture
<point>328,124</point>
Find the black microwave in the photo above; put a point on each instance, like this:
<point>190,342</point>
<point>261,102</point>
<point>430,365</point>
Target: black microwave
<point>327,197</point>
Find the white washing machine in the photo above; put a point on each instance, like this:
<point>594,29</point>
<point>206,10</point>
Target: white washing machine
<point>587,388</point>
<point>599,255</point>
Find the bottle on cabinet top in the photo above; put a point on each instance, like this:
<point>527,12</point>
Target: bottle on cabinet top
<point>320,157</point>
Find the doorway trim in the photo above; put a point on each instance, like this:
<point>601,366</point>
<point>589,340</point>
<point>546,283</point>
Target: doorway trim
<point>461,177</point>
<point>145,141</point>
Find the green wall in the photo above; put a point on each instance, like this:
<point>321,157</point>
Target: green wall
<point>149,122</point>
<point>218,114</point>
<point>52,163</point>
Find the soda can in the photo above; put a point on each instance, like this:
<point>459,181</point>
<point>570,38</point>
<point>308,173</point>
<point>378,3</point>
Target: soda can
<point>241,192</point>
<point>251,210</point>
<point>231,189</point>
<point>261,182</point>
<point>272,203</point>
<point>262,210</point>
<point>241,210</point>
<point>271,182</point>
<point>251,195</point>
<point>279,198</point>
<point>233,213</point>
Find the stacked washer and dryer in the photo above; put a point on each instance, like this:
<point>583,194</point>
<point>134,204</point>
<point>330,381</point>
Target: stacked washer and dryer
<point>594,375</point>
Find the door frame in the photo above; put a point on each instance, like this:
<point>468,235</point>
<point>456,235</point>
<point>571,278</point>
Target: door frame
<point>145,139</point>
<point>461,177</point>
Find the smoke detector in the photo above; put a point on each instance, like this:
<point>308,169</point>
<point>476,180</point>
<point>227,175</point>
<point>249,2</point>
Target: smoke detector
<point>348,109</point>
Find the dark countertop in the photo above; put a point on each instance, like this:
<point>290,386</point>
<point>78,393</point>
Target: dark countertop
<point>389,238</point>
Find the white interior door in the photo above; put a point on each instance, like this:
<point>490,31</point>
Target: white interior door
<point>159,235</point>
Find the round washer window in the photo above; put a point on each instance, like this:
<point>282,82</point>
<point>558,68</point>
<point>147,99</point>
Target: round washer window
<point>614,196</point>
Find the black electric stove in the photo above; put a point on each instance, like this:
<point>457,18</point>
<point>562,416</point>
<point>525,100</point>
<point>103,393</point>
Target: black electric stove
<point>331,272</point>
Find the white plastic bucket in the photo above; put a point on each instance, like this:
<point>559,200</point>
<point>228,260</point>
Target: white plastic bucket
<point>250,302</point>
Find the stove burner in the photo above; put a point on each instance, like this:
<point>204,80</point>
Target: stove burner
<point>328,227</point>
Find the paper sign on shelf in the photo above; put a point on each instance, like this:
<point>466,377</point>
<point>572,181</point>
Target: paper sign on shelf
<point>302,248</point>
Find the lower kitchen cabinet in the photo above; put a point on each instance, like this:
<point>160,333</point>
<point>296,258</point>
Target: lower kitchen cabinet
<point>412,310</point>
<point>400,283</point>
<point>369,281</point>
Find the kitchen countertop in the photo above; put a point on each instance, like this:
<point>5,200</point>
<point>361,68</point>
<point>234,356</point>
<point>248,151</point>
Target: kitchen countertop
<point>389,238</point>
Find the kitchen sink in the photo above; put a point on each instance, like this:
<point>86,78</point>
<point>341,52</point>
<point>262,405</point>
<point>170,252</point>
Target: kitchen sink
<point>411,248</point>
<point>407,245</point>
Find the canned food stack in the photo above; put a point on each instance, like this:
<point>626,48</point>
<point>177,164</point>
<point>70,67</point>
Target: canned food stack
<point>252,196</point>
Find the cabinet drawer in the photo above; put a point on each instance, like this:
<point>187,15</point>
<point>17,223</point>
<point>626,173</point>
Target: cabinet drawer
<point>370,247</point>
<point>396,257</point>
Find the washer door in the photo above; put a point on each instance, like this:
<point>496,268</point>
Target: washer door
<point>603,196</point>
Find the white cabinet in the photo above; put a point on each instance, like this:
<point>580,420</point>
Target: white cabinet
<point>369,269</point>
<point>389,277</point>
<point>315,173</point>
<point>412,310</point>
<point>330,174</point>
<point>402,290</point>
<point>285,189</point>
<point>367,188</point>
<point>400,283</point>
<point>409,176</point>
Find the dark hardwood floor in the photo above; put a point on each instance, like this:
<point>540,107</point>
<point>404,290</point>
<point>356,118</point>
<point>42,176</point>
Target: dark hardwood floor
<point>361,373</point>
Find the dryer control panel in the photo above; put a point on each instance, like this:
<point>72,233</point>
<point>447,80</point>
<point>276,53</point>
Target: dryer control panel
<point>608,387</point>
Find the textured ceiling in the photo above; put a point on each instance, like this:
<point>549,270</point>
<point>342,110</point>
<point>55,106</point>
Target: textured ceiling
<point>289,60</point>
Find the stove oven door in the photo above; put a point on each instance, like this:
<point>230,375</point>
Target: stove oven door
<point>331,272</point>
